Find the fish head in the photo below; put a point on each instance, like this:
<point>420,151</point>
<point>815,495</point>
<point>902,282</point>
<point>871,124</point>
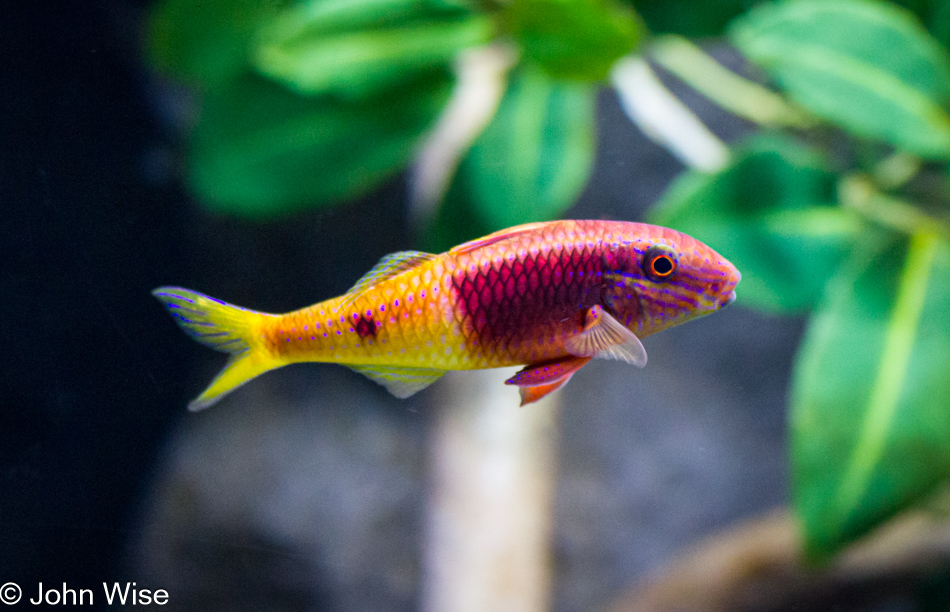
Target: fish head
<point>665,278</point>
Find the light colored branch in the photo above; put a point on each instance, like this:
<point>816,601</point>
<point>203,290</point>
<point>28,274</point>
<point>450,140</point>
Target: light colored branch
<point>896,170</point>
<point>663,118</point>
<point>859,193</point>
<point>759,565</point>
<point>482,78</point>
<point>730,91</point>
<point>489,510</point>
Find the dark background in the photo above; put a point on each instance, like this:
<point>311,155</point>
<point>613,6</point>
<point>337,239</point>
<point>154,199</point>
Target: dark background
<point>88,228</point>
<point>94,218</point>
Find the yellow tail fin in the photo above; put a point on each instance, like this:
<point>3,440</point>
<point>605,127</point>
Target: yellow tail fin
<point>223,327</point>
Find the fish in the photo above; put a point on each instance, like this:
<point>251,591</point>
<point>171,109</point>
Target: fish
<point>548,296</point>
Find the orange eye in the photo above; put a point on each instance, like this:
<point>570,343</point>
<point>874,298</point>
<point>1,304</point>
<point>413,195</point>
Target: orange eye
<point>659,264</point>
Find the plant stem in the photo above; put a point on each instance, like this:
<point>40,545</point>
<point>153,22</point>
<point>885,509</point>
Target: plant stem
<point>859,193</point>
<point>732,92</point>
<point>895,170</point>
<point>663,118</point>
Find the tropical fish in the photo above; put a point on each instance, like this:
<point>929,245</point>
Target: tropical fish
<point>547,296</point>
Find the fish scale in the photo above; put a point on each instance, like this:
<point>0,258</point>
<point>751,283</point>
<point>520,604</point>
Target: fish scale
<point>549,295</point>
<point>516,309</point>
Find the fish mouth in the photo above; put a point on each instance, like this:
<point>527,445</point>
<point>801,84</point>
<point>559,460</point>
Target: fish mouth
<point>734,279</point>
<point>724,300</point>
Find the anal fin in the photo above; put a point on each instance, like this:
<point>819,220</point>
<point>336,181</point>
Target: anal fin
<point>530,395</point>
<point>400,381</point>
<point>537,380</point>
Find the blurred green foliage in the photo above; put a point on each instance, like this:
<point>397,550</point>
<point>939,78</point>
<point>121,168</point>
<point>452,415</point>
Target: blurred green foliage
<point>206,43</point>
<point>837,207</point>
<point>844,220</point>
<point>313,102</point>
<point>690,18</point>
<point>866,67</point>
<point>260,148</point>
<point>529,163</point>
<point>356,49</point>
<point>773,204</point>
<point>574,39</point>
<point>871,418</point>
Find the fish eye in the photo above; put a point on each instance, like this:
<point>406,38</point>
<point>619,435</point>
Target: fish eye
<point>659,263</point>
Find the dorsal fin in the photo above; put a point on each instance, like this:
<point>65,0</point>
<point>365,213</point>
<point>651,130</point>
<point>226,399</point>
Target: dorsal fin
<point>387,267</point>
<point>467,247</point>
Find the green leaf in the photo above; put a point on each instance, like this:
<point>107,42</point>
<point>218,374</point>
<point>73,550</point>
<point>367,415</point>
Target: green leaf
<point>871,392</point>
<point>206,41</point>
<point>938,21</point>
<point>457,220</point>
<point>358,47</point>
<point>573,39</point>
<point>770,212</point>
<point>935,14</point>
<point>690,18</point>
<point>261,150</point>
<point>529,164</point>
<point>533,159</point>
<point>734,93</point>
<point>866,66</point>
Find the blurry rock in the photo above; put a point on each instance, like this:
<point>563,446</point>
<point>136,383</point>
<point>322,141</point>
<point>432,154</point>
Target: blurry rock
<point>652,460</point>
<point>301,492</point>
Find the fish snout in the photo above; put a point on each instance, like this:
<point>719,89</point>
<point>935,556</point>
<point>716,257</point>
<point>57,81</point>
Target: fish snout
<point>728,293</point>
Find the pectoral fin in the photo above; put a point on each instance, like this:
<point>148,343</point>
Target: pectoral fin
<point>604,337</point>
<point>537,380</point>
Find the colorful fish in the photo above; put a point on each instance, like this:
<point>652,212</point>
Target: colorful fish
<point>549,296</point>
